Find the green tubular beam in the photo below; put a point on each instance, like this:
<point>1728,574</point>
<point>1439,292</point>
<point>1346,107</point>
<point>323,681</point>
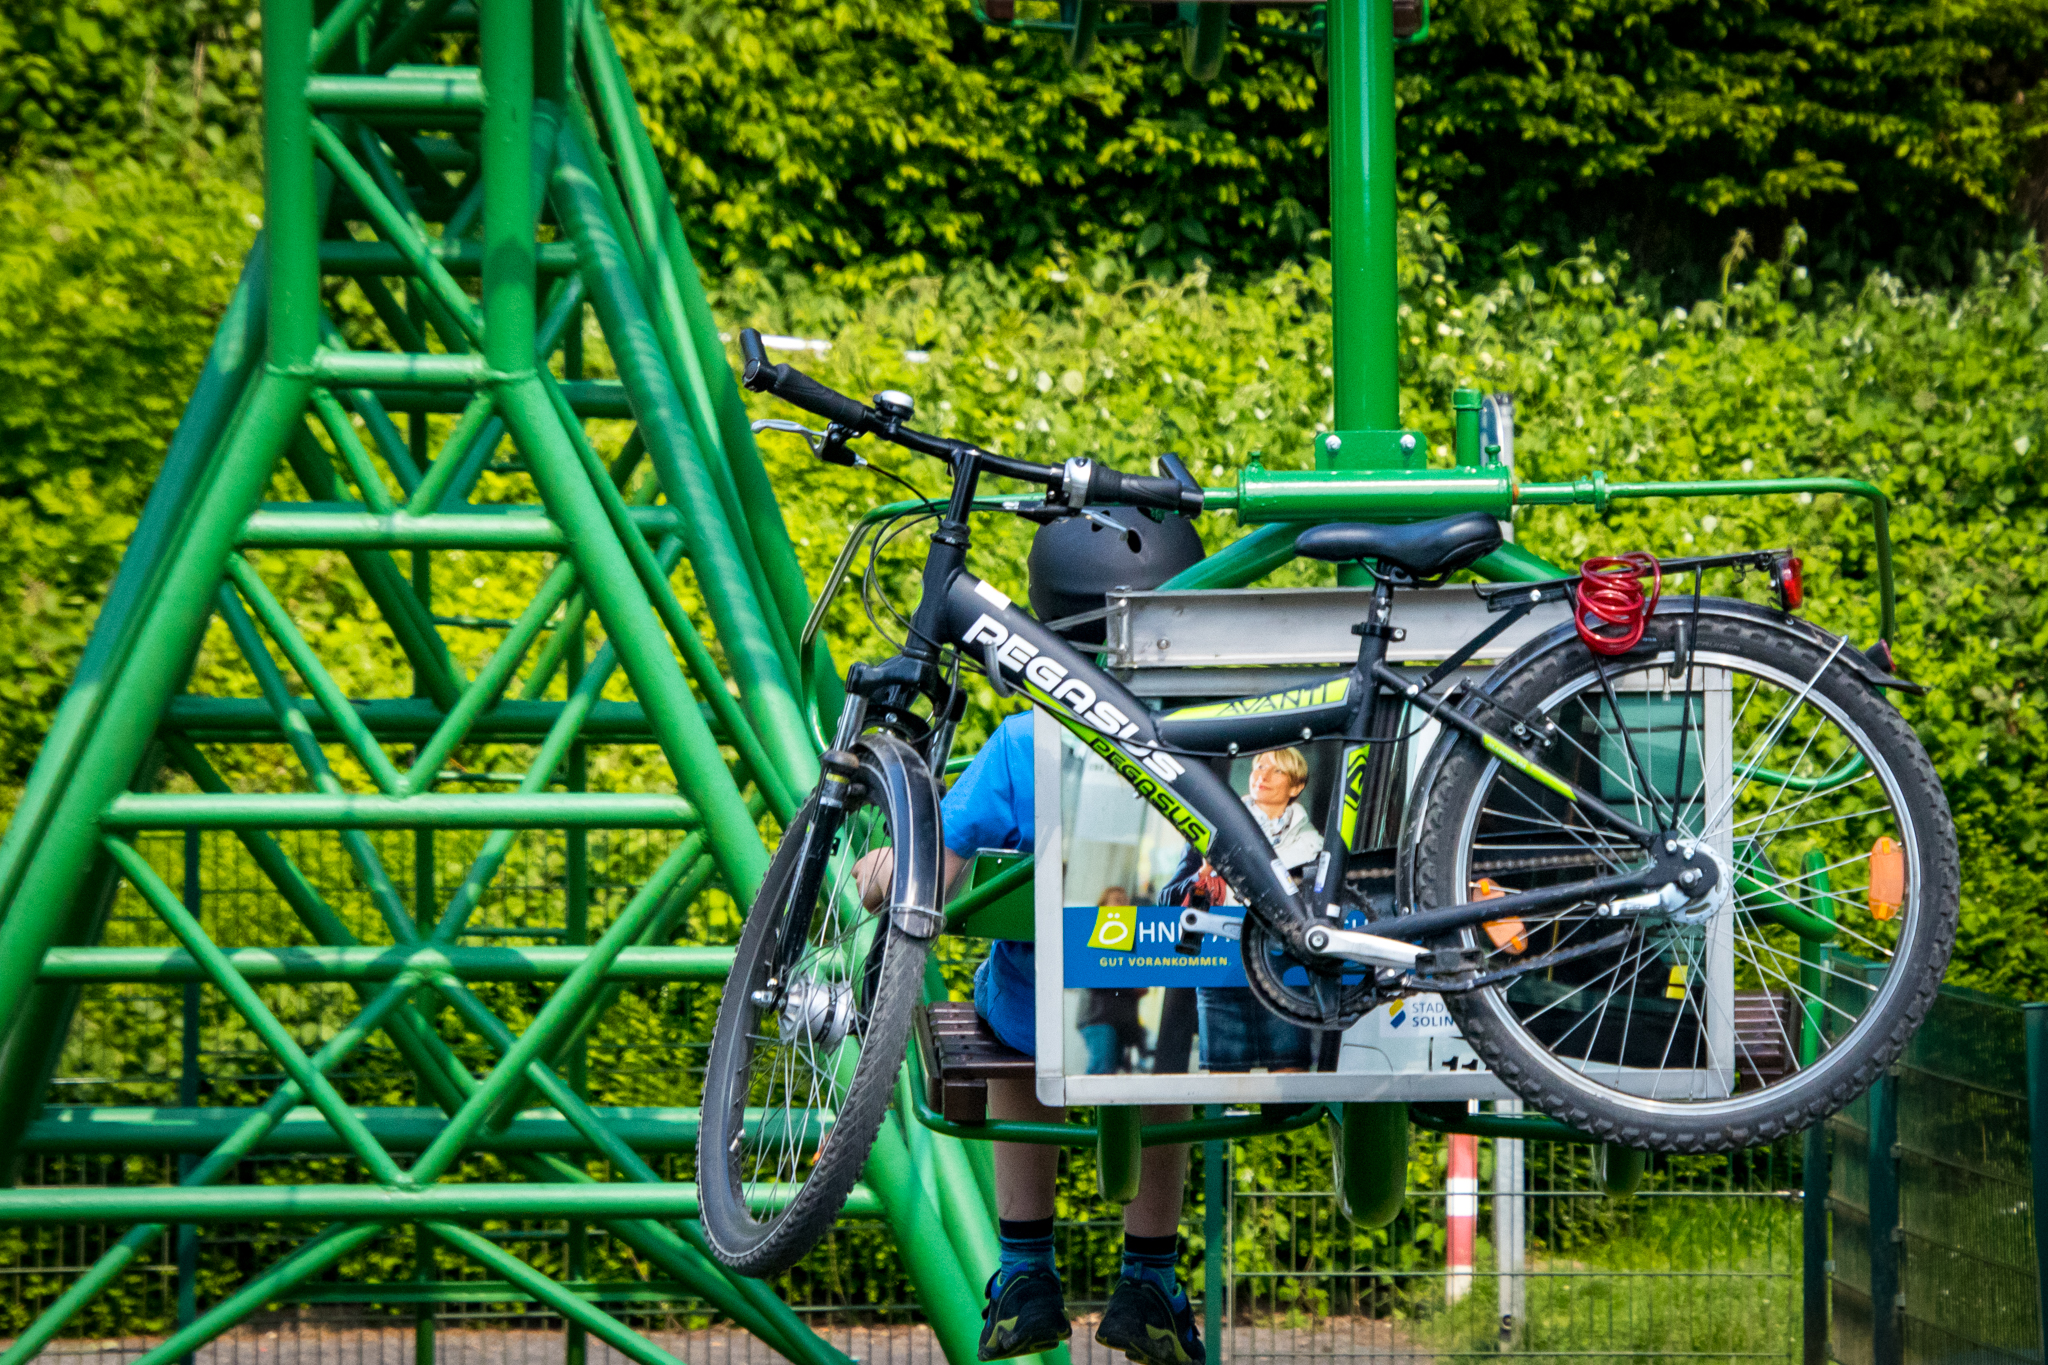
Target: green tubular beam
<point>480,811</point>
<point>39,881</point>
<point>101,965</point>
<point>371,260</point>
<point>469,1202</point>
<point>1766,902</point>
<point>951,1303</point>
<point>1364,297</point>
<point>579,1311</point>
<point>1119,1147</point>
<point>347,528</point>
<point>406,719</point>
<point>1594,491</point>
<point>82,1128</point>
<point>1370,1147</point>
<point>650,212</point>
<point>710,543</point>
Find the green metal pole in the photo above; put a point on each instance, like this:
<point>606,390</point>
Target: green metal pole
<point>1364,299</point>
<point>188,1095</point>
<point>951,1303</point>
<point>1887,1340</point>
<point>710,540</point>
<point>468,1201</point>
<point>1215,1234</point>
<point>2036,1019</point>
<point>576,931</point>
<point>1371,1152</point>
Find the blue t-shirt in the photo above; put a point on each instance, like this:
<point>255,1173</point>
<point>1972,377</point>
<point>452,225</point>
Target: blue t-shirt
<point>993,805</point>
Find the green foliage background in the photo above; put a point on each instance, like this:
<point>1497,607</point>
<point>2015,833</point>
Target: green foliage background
<point>1118,262</point>
<point>863,141</point>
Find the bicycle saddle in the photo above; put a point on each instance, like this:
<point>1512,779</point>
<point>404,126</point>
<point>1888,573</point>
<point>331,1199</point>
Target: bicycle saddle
<point>1425,549</point>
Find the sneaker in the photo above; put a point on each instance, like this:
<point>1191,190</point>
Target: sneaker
<point>1148,1327</point>
<point>1027,1315</point>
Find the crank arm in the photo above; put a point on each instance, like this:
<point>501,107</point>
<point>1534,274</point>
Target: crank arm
<point>1456,985</point>
<point>1349,945</point>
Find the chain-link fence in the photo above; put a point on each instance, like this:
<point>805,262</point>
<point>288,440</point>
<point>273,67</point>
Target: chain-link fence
<point>1703,1262</point>
<point>1933,1197</point>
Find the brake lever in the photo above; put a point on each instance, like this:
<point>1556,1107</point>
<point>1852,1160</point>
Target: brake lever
<point>811,438</point>
<point>828,445</point>
<point>1046,513</point>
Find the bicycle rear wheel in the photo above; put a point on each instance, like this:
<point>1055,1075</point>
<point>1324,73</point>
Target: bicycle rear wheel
<point>1779,1001</point>
<point>811,1032</point>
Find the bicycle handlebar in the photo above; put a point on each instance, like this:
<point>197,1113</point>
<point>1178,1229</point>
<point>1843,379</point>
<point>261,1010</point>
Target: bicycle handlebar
<point>1078,483</point>
<point>1143,490</point>
<point>795,387</point>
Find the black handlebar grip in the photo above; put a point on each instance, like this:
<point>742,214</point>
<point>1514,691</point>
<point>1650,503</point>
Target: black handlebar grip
<point>794,386</point>
<point>755,356</point>
<point>1142,490</point>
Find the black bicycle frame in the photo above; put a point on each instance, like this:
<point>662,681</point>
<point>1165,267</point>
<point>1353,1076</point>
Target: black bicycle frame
<point>959,610</point>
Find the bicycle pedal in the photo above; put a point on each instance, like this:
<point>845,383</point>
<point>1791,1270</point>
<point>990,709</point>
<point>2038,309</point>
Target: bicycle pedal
<point>1450,961</point>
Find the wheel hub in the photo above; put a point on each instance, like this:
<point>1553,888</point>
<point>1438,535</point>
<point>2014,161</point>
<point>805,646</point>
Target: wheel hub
<point>819,1012</point>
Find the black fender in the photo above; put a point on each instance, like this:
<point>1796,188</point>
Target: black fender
<point>900,783</point>
<point>1673,608</point>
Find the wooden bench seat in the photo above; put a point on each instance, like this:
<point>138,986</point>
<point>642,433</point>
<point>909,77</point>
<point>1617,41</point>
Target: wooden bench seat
<point>961,1056</point>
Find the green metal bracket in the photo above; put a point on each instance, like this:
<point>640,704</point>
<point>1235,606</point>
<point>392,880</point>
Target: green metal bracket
<point>998,901</point>
<point>1119,1152</point>
<point>1372,450</point>
<point>1204,39</point>
<point>1370,1153</point>
<point>1617,1169</point>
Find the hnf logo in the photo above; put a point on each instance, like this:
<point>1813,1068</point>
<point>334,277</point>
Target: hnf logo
<point>1116,928</point>
<point>1049,679</point>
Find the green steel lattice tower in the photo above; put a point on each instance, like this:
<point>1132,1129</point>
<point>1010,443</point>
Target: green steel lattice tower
<point>531,175</point>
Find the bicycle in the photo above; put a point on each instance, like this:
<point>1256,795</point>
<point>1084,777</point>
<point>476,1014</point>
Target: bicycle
<point>1631,830</point>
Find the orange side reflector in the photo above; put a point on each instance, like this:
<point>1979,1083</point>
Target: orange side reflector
<point>1887,877</point>
<point>1510,934</point>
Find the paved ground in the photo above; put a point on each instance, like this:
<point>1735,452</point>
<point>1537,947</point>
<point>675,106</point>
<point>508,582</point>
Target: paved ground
<point>1328,1340</point>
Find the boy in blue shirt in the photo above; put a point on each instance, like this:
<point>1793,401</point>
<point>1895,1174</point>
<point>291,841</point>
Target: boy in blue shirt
<point>1072,565</point>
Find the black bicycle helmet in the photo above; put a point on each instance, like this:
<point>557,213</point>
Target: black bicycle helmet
<point>1074,563</point>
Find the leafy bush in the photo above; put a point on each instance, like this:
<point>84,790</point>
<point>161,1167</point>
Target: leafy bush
<point>861,142</point>
<point>1938,399</point>
<point>111,283</point>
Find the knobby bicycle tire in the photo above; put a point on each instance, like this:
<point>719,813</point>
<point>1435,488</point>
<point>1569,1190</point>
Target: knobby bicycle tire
<point>883,1002</point>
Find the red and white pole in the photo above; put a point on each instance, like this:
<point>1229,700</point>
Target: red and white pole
<point>1461,1215</point>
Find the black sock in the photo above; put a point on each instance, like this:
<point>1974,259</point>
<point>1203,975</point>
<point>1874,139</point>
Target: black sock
<point>1025,1244</point>
<point>1154,1258</point>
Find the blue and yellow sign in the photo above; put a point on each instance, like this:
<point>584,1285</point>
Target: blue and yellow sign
<point>1130,946</point>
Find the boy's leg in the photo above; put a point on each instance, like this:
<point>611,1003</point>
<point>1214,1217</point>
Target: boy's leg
<point>1025,1171</point>
<point>1026,1312</point>
<point>1162,1180</point>
<point>1148,1317</point>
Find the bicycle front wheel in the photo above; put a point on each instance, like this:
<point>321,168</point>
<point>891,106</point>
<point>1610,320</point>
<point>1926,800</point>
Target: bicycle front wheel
<point>811,1032</point>
<point>1778,1000</point>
